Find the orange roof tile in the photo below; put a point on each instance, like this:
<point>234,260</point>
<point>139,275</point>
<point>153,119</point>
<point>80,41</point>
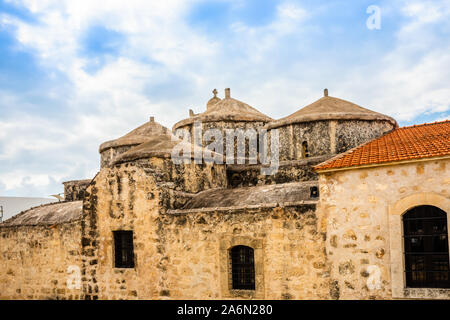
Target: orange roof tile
<point>408,143</point>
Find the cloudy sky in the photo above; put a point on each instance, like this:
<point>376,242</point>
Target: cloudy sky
<point>74,74</point>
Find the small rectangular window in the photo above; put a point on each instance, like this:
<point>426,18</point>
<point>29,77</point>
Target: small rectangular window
<point>242,268</point>
<point>314,192</point>
<point>123,249</point>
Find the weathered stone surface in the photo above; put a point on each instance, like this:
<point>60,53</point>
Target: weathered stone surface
<point>185,218</point>
<point>364,250</point>
<point>47,214</point>
<point>251,196</point>
<point>74,190</point>
<point>38,260</point>
<point>111,149</point>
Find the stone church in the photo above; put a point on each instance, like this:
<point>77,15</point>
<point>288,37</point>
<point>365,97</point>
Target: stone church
<point>357,209</point>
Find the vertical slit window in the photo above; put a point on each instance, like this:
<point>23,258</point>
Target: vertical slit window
<point>123,249</point>
<point>305,149</point>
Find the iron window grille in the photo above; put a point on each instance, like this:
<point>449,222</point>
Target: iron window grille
<point>426,248</point>
<point>123,249</point>
<point>242,268</point>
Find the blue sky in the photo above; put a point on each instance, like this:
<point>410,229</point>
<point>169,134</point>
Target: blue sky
<point>74,74</point>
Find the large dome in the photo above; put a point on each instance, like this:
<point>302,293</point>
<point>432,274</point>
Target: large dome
<point>228,109</point>
<point>331,108</point>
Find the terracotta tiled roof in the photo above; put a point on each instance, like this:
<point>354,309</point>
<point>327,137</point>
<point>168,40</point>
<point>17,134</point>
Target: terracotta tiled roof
<point>408,143</point>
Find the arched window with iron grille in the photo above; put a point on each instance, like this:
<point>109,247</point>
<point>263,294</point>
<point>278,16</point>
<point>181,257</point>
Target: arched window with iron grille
<point>426,248</point>
<point>242,268</point>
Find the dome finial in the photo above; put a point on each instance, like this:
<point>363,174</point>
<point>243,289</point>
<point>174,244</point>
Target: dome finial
<point>152,119</point>
<point>325,92</point>
<point>215,93</point>
<point>227,93</point>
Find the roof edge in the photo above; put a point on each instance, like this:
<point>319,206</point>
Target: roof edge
<point>217,118</point>
<point>382,164</point>
<point>5,225</point>
<point>237,208</point>
<point>331,117</point>
<point>115,144</point>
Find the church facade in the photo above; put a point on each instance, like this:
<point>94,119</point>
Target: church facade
<point>357,209</point>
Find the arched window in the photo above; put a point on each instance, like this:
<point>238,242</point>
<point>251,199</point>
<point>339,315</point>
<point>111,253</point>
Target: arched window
<point>242,268</point>
<point>305,149</point>
<point>426,248</point>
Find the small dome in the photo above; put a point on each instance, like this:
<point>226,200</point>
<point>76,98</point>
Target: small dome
<point>137,136</point>
<point>227,109</point>
<point>330,108</point>
<point>159,145</point>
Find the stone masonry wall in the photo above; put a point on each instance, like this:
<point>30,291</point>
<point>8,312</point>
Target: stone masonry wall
<point>180,253</point>
<point>222,126</point>
<point>290,263</point>
<point>108,156</point>
<point>121,199</point>
<point>327,137</point>
<point>356,205</point>
<point>288,171</point>
<point>350,134</point>
<point>74,190</point>
<point>132,197</point>
<point>35,261</point>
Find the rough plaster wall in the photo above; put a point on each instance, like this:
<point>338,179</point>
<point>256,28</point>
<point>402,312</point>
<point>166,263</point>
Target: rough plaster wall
<point>355,204</point>
<point>222,126</point>
<point>288,171</point>
<point>293,251</point>
<point>74,190</point>
<point>35,261</point>
<point>108,155</point>
<point>320,134</point>
<point>315,133</point>
<point>352,133</point>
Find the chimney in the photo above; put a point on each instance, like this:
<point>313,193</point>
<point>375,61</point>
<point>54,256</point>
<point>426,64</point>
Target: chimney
<point>325,92</point>
<point>227,93</point>
<point>152,119</point>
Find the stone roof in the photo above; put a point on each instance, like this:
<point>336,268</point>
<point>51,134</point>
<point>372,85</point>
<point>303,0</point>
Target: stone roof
<point>428,140</point>
<point>48,214</point>
<point>250,196</point>
<point>227,109</point>
<point>331,108</point>
<point>137,136</point>
<point>160,145</point>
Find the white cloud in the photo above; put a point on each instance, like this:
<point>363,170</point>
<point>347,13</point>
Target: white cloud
<point>166,67</point>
